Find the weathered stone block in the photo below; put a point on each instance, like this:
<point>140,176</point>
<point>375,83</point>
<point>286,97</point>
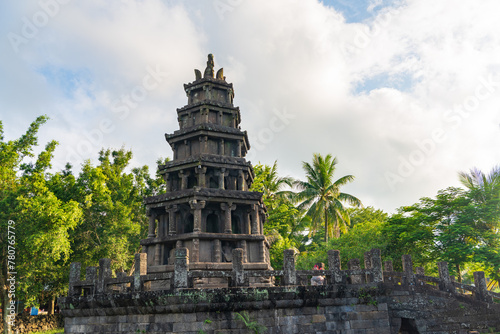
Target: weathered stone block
<point>318,318</point>
<point>187,326</point>
<point>382,307</point>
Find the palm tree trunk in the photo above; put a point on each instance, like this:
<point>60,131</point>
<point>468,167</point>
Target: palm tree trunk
<point>459,275</point>
<point>326,226</point>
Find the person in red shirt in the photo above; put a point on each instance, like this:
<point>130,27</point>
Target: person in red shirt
<point>318,280</point>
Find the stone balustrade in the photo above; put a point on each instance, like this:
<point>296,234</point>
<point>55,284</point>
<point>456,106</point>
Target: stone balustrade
<point>100,281</point>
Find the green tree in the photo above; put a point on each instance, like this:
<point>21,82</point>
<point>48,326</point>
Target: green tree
<point>281,212</point>
<point>41,221</point>
<point>45,223</point>
<point>114,216</point>
<point>147,185</point>
<point>458,227</point>
<point>448,228</point>
<point>366,233</point>
<point>270,184</point>
<point>284,221</point>
<point>12,153</point>
<point>409,234</point>
<point>320,195</point>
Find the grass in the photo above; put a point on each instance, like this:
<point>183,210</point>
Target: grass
<point>52,331</point>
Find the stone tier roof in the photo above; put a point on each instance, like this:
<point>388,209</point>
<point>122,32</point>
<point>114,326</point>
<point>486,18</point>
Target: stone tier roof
<point>207,127</point>
<point>205,159</point>
<point>199,83</point>
<point>214,103</point>
<point>211,193</point>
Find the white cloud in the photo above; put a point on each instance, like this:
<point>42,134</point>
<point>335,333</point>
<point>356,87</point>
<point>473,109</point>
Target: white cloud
<point>416,60</point>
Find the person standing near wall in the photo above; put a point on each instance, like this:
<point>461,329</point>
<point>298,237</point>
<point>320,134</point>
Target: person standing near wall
<point>318,280</point>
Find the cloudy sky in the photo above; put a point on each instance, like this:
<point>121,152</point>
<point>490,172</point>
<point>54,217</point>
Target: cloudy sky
<point>404,93</point>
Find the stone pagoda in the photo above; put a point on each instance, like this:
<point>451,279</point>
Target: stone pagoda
<point>207,207</point>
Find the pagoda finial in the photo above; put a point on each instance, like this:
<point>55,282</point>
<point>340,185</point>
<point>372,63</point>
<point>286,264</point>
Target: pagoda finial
<point>209,71</point>
<point>220,74</point>
<point>197,74</point>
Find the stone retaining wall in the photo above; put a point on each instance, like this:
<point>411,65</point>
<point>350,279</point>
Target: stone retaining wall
<point>342,309</point>
<point>307,320</point>
<point>353,301</point>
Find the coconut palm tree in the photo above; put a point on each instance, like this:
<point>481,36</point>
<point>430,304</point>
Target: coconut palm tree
<point>270,184</point>
<point>322,198</point>
<point>483,187</point>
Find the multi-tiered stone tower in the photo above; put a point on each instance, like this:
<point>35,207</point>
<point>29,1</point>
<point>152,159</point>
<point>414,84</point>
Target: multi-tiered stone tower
<point>207,207</point>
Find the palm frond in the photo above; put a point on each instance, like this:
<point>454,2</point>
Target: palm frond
<point>350,199</point>
<point>344,180</point>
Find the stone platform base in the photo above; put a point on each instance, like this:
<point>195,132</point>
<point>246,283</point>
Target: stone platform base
<point>343,309</point>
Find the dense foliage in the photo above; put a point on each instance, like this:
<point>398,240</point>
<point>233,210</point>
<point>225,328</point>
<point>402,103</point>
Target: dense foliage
<point>60,218</point>
<point>459,226</point>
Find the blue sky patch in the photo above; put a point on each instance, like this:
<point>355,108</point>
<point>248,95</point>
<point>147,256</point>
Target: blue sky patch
<point>66,80</point>
<point>357,10</point>
<point>402,81</point>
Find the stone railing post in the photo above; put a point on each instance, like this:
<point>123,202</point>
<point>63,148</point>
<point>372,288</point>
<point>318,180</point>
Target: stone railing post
<point>141,268</point>
<point>334,266</point>
<point>376,266</point>
<point>445,283</point>
<point>368,266</point>
<point>104,273</point>
<point>181,268</point>
<point>74,278</point>
<point>408,269</point>
<point>91,274</point>
<point>368,260</point>
<point>290,275</point>
<point>238,274</point>
<point>481,290</point>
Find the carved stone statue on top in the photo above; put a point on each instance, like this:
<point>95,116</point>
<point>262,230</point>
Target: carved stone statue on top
<point>209,71</point>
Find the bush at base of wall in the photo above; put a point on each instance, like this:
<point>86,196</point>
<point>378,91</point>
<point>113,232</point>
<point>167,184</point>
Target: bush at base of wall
<point>34,323</point>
